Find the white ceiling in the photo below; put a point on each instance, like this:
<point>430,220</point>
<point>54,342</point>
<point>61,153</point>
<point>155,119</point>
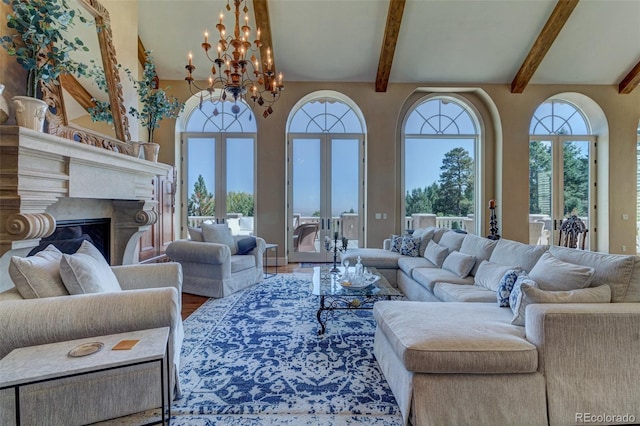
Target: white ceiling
<point>464,41</point>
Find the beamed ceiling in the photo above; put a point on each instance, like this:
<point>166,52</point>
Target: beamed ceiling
<point>515,42</point>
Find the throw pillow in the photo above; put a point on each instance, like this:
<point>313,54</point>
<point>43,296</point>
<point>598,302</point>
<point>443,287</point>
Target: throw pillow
<point>489,274</point>
<point>196,234</point>
<point>220,234</point>
<point>425,235</point>
<point>435,253</point>
<point>410,246</point>
<point>39,275</point>
<point>506,285</point>
<point>553,274</point>
<point>515,299</point>
<point>87,271</point>
<point>245,245</point>
<point>459,263</point>
<point>396,243</point>
<point>532,295</point>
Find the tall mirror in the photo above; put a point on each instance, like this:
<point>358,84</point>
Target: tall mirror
<point>68,101</point>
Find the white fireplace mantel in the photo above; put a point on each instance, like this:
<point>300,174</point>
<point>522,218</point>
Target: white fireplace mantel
<point>37,170</point>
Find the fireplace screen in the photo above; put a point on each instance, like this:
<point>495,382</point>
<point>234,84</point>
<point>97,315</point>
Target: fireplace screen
<point>70,234</point>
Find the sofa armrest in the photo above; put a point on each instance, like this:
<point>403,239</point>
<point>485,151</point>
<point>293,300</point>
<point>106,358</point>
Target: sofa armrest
<point>386,244</point>
<point>589,355</point>
<point>199,252</point>
<point>32,322</point>
<point>155,275</point>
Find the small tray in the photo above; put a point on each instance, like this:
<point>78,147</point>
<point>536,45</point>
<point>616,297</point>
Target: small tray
<point>86,349</point>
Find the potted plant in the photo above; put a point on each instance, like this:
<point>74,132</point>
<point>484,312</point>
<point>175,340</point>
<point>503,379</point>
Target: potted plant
<point>155,104</point>
<point>41,47</point>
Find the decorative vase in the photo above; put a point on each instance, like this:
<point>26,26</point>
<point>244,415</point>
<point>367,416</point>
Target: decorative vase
<point>150,150</point>
<point>30,112</point>
<point>4,107</point>
<point>136,148</point>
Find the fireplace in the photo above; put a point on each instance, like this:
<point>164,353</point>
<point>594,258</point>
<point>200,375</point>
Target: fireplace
<point>70,234</point>
<point>46,181</point>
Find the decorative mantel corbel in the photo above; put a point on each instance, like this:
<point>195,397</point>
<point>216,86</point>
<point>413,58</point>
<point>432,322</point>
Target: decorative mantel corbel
<point>132,219</point>
<point>26,229</point>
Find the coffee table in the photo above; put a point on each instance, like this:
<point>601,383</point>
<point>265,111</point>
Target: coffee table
<point>334,297</point>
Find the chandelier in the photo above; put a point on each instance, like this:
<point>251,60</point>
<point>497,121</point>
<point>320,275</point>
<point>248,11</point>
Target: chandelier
<point>234,74</point>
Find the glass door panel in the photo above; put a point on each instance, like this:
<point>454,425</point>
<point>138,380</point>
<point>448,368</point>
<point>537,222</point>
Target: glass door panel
<point>201,180</point>
<point>540,193</point>
<point>575,199</point>
<point>345,185</point>
<point>306,181</point>
<point>240,185</point>
<point>559,186</point>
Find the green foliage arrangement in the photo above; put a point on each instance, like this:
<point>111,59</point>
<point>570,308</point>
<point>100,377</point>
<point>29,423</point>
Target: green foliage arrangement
<point>156,103</point>
<point>40,43</point>
<point>452,195</point>
<point>202,202</point>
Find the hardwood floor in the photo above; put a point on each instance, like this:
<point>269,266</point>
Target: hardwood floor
<point>191,302</point>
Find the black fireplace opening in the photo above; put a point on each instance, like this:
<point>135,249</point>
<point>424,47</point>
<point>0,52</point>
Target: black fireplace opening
<point>70,234</point>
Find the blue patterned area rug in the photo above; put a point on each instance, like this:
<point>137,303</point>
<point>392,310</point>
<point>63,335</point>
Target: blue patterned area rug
<point>255,358</point>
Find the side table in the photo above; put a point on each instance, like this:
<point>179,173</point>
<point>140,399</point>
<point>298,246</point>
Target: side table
<point>43,363</point>
<point>270,246</point>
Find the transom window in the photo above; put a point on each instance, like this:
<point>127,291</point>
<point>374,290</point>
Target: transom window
<point>221,116</point>
<point>325,115</point>
<point>558,117</point>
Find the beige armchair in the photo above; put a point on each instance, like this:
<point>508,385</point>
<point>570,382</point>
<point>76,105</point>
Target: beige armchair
<point>211,270</point>
<point>151,298</point>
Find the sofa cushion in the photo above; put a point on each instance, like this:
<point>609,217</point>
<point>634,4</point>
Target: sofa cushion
<point>428,277</point>
<point>489,274</point>
<point>396,243</point>
<point>448,292</point>
<point>408,264</point>
<point>373,258</point>
<point>553,274</point>
<point>506,285</point>
<point>196,234</point>
<point>38,275</point>
<point>532,295</point>
<point>515,298</point>
<point>425,235</point>
<point>509,252</point>
<point>246,245</point>
<point>455,337</point>
<point>220,234</point>
<point>459,263</point>
<point>452,240</point>
<point>479,247</point>
<point>242,262</point>
<point>438,233</point>
<point>87,271</point>
<point>435,253</point>
<point>410,246</point>
<point>614,270</point>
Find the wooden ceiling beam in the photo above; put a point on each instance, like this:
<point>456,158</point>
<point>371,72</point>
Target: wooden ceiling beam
<point>391,32</point>
<point>543,43</point>
<point>142,56</point>
<point>261,11</point>
<point>75,89</point>
<point>631,81</point>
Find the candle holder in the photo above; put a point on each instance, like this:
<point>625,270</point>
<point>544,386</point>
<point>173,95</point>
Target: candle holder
<point>333,246</point>
<point>493,223</point>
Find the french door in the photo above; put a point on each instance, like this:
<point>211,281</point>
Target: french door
<point>561,184</point>
<point>220,178</point>
<point>325,193</point>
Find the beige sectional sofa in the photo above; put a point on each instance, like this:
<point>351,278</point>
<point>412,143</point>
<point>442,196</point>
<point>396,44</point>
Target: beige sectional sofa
<point>468,361</point>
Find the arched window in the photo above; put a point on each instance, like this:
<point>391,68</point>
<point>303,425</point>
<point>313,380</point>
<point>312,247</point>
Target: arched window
<point>561,169</point>
<point>218,154</point>
<point>440,142</point>
<point>325,135</point>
